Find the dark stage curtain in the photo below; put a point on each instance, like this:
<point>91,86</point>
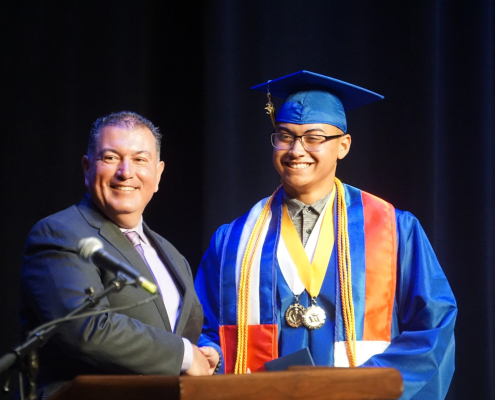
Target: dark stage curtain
<point>428,148</point>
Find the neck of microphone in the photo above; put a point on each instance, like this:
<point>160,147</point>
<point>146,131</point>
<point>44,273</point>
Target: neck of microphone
<point>91,250</point>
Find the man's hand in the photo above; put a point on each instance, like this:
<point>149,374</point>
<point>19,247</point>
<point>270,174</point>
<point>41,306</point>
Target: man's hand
<point>203,360</point>
<point>212,356</point>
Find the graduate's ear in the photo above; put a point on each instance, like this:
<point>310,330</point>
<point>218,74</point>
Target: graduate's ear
<point>345,146</point>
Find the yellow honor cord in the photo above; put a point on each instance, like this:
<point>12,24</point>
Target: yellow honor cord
<point>345,275</point>
<point>243,295</point>
<point>311,274</point>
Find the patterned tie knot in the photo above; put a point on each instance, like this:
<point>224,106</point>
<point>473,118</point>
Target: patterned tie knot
<point>133,236</point>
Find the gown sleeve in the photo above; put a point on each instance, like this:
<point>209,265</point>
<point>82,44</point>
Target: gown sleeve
<point>207,285</point>
<point>425,310</point>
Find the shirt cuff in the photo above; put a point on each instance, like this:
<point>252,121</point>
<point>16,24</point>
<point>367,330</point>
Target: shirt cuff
<point>188,355</point>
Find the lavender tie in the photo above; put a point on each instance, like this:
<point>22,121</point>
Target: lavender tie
<point>133,236</point>
<point>172,301</point>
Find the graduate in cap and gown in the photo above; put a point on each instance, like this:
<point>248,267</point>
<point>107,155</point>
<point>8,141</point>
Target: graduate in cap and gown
<point>324,266</point>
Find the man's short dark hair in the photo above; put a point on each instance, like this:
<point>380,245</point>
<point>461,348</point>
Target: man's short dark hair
<point>126,119</point>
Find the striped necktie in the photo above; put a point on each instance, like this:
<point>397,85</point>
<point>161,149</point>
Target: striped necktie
<point>133,237</point>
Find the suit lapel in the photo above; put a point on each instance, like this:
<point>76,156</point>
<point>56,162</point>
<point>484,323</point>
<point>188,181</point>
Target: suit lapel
<point>113,235</point>
<point>178,277</point>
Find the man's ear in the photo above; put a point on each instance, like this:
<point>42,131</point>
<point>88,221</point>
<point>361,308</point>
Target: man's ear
<point>86,164</point>
<point>345,146</point>
<point>159,171</point>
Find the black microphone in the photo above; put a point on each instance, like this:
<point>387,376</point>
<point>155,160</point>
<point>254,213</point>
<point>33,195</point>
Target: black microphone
<point>91,250</point>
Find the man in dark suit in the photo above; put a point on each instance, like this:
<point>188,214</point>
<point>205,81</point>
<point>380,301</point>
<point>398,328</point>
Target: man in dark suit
<point>122,171</point>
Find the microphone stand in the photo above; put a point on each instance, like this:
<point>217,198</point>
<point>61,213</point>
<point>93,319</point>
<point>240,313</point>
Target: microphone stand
<point>25,357</point>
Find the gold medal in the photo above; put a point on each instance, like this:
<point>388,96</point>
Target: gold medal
<point>311,273</point>
<point>294,315</point>
<point>314,317</point>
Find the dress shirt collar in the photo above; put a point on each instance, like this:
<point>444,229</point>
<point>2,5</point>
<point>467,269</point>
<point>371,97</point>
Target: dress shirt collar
<point>139,229</point>
<point>296,206</point>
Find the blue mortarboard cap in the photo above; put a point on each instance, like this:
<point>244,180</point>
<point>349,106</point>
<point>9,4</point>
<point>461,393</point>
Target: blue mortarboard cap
<point>316,99</point>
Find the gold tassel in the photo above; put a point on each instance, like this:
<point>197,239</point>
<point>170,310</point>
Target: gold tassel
<point>270,109</point>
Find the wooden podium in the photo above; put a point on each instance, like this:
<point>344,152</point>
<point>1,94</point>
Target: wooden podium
<point>313,383</point>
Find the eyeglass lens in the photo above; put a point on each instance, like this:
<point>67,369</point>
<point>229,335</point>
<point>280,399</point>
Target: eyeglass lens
<point>284,141</point>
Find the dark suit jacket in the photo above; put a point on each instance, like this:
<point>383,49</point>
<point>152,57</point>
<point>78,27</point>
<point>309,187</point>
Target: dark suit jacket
<point>134,341</point>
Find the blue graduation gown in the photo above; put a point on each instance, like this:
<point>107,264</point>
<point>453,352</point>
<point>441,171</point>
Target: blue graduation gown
<point>422,329</point>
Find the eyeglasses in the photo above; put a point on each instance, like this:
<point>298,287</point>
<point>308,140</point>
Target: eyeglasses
<point>285,141</point>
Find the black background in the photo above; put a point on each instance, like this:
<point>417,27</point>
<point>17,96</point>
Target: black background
<point>428,148</point>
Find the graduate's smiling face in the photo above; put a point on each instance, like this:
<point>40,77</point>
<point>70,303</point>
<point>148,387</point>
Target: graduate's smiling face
<point>123,173</point>
<point>309,176</point>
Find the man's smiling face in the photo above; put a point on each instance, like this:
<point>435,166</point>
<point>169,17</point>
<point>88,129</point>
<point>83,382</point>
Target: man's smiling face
<point>123,173</point>
<point>309,176</point>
